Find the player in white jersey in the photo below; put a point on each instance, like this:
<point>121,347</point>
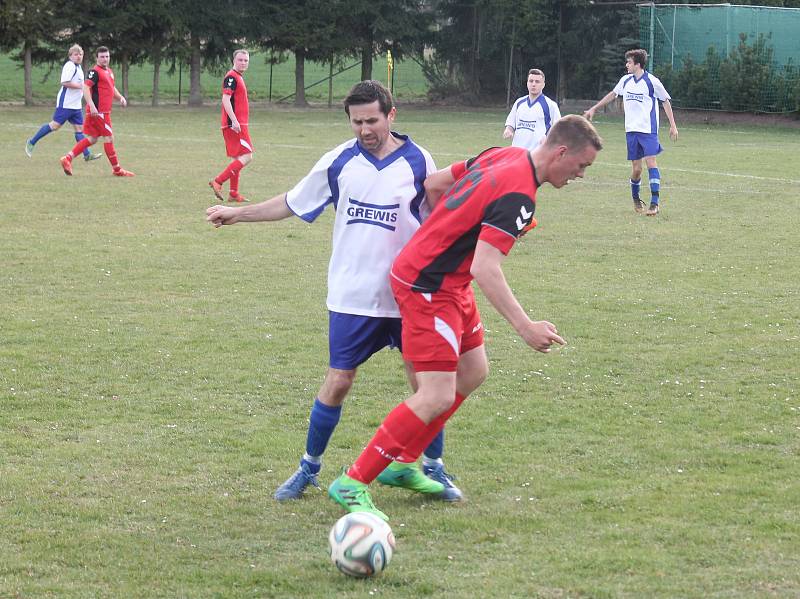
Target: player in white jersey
<point>531,116</point>
<point>68,104</point>
<point>374,183</point>
<point>641,92</point>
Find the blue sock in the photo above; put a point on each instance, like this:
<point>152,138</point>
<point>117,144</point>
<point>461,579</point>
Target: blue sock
<point>635,187</point>
<point>43,130</point>
<point>321,425</point>
<point>79,136</point>
<point>436,448</point>
<point>655,183</point>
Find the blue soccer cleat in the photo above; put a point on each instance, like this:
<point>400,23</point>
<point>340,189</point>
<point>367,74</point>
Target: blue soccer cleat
<point>296,484</point>
<point>439,474</point>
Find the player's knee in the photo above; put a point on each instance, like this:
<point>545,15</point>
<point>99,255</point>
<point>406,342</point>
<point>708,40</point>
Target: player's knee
<point>339,382</point>
<point>54,126</point>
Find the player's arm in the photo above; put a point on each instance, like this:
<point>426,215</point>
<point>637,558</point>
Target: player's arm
<point>673,128</point>
<point>440,181</point>
<point>486,268</point>
<point>120,97</point>
<point>609,97</point>
<point>508,132</point>
<point>228,107</point>
<point>72,84</point>
<point>272,209</point>
<point>87,95</point>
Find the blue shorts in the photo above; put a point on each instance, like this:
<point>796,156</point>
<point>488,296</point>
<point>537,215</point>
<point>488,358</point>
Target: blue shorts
<point>73,115</point>
<point>353,339</point>
<point>642,144</point>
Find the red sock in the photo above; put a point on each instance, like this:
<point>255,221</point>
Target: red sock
<point>111,154</point>
<point>394,433</point>
<point>234,167</point>
<point>414,449</point>
<point>235,182</point>
<point>79,147</point>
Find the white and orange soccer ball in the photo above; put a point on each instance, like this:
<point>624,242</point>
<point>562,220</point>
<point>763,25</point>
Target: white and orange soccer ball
<point>361,544</point>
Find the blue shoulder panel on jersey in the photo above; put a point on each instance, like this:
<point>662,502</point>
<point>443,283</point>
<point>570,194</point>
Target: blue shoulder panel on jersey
<point>546,111</point>
<point>654,107</point>
<point>416,160</point>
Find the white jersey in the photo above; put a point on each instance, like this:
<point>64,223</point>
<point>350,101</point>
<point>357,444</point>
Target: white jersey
<point>531,120</point>
<point>379,205</point>
<point>68,97</point>
<point>641,107</point>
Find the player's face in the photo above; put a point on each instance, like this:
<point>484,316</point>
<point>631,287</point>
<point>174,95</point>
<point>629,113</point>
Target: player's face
<point>76,57</point>
<point>630,65</point>
<point>535,84</point>
<point>103,59</point>
<point>241,62</point>
<point>571,165</point>
<point>371,126</point>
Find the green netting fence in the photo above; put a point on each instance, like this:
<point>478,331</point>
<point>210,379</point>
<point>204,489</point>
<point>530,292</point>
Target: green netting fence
<point>723,57</point>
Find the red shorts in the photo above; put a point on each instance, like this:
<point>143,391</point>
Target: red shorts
<point>237,144</point>
<point>98,126</point>
<point>437,327</point>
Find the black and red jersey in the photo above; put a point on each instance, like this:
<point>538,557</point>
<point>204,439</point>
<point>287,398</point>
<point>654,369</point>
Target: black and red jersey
<point>493,199</point>
<point>101,80</point>
<point>233,85</point>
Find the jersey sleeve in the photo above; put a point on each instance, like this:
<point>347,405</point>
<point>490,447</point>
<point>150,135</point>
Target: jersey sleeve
<point>68,72</point>
<point>309,197</point>
<point>229,85</point>
<point>507,219</point>
<point>91,78</point>
<point>511,119</point>
<point>555,113</point>
<point>659,91</point>
<point>619,88</point>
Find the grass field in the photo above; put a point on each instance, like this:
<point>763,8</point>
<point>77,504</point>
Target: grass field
<point>409,82</point>
<point>156,376</point>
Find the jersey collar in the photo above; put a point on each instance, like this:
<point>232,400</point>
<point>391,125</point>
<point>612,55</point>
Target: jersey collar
<point>382,163</point>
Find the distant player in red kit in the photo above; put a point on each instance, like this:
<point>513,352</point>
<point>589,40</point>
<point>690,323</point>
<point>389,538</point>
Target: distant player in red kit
<point>99,92</point>
<point>235,131</point>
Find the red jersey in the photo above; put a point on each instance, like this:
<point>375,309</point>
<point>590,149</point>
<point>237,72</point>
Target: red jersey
<point>233,86</point>
<point>101,80</point>
<point>493,200</point>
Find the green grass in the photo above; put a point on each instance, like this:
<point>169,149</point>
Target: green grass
<point>156,376</point>
<point>409,82</point>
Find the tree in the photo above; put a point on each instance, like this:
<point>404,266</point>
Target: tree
<point>25,27</point>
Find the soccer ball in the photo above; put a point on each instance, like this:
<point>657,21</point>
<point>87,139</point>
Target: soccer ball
<point>361,544</point>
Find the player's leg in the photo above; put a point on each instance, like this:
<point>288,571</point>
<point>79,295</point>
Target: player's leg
<point>89,139</point>
<point>655,184</point>
<point>76,120</point>
<point>233,194</point>
<point>46,129</point>
<point>635,156</point>
<point>325,414</point>
<point>352,339</point>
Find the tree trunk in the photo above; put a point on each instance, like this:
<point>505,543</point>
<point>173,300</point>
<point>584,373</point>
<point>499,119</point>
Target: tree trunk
<point>300,77</point>
<point>366,60</point>
<point>156,74</point>
<point>195,93</point>
<point>28,69</point>
<point>125,67</point>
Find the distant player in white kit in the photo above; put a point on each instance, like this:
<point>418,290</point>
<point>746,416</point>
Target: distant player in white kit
<point>68,104</point>
<point>531,116</point>
<point>374,183</point>
<point>641,91</point>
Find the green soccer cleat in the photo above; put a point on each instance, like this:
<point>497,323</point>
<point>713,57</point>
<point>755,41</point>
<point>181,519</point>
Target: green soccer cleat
<point>28,148</point>
<point>409,476</point>
<point>353,496</point>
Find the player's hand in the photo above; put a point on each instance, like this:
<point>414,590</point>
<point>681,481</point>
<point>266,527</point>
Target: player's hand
<point>222,215</point>
<point>673,133</point>
<point>236,127</point>
<point>123,101</point>
<point>508,132</point>
<point>93,111</point>
<point>541,334</point>
<point>589,114</point>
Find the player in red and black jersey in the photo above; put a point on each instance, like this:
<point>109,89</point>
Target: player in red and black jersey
<point>99,91</point>
<point>235,130</point>
<point>487,203</point>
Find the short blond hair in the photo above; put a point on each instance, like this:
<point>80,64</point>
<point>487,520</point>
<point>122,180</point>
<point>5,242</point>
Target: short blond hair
<point>575,132</point>
<point>74,48</point>
<point>240,51</point>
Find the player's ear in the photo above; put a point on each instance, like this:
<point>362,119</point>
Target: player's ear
<point>392,114</point>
